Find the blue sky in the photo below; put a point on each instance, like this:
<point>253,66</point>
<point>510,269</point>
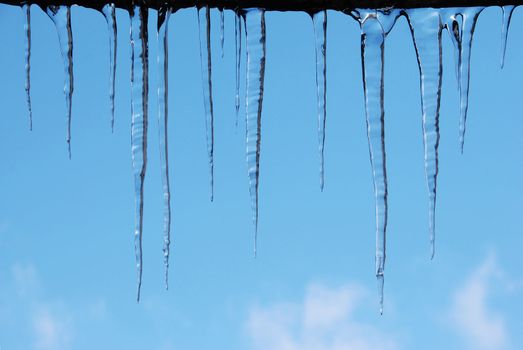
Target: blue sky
<point>67,256</point>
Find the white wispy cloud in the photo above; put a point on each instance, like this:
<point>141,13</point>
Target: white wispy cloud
<point>480,324</point>
<point>324,320</point>
<point>49,320</point>
<point>52,330</point>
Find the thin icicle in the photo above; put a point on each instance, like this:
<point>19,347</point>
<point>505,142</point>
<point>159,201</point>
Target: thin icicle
<point>238,42</point>
<point>110,16</point>
<point>505,25</point>
<point>61,16</point>
<point>204,26</point>
<point>469,19</point>
<point>372,53</point>
<point>163,54</point>
<point>320,35</point>
<point>26,9</point>
<point>425,25</point>
<point>222,29</point>
<point>255,32</point>
<point>139,92</point>
<point>451,22</point>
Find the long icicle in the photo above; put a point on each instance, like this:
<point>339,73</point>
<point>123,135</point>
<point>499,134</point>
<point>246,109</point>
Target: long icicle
<point>372,53</point>
<point>204,26</point>
<point>320,35</point>
<point>222,29</point>
<point>238,44</point>
<point>505,25</point>
<point>426,28</point>
<point>110,16</point>
<point>61,16</point>
<point>469,16</point>
<point>164,14</point>
<point>139,92</point>
<point>255,33</point>
<point>26,10</point>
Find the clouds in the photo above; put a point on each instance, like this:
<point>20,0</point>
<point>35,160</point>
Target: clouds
<point>52,329</point>
<point>481,326</point>
<point>324,320</point>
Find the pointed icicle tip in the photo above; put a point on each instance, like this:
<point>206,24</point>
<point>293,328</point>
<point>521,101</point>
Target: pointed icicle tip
<point>26,10</point>
<point>469,19</point>
<point>61,17</point>
<point>372,53</point>
<point>109,14</point>
<point>507,11</point>
<point>256,49</point>
<point>163,112</point>
<point>238,51</point>
<point>425,25</point>
<point>319,20</point>
<point>204,31</point>
<point>139,125</point>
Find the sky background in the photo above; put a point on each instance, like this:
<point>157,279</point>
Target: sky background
<point>66,245</point>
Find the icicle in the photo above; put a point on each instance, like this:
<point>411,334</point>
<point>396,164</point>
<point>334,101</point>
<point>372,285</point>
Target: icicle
<point>470,17</point>
<point>61,16</point>
<point>320,34</point>
<point>425,25</point>
<point>163,53</point>
<point>372,53</point>
<point>222,29</point>
<point>461,36</point>
<point>109,13</point>
<point>507,15</point>
<point>449,18</point>
<point>204,25</point>
<point>139,92</point>
<point>26,9</point>
<point>238,42</point>
<point>255,32</point>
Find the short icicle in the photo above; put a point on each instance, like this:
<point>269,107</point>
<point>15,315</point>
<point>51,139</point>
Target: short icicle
<point>238,46</point>
<point>204,25</point>
<point>469,19</point>
<point>372,53</point>
<point>505,25</point>
<point>139,92</point>
<point>222,29</point>
<point>426,28</point>
<point>26,10</point>
<point>255,33</point>
<point>451,22</point>
<point>108,11</point>
<point>320,35</point>
<point>61,16</point>
<point>164,14</point>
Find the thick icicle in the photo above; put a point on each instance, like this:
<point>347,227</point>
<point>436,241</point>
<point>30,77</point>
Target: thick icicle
<point>139,92</point>
<point>238,42</point>
<point>320,35</point>
<point>222,29</point>
<point>372,53</point>
<point>505,25</point>
<point>204,25</point>
<point>26,9</point>
<point>425,25</point>
<point>61,16</point>
<point>255,33</point>
<point>110,16</point>
<point>163,54</point>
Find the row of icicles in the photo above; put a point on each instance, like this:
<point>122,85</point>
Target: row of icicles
<point>426,26</point>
